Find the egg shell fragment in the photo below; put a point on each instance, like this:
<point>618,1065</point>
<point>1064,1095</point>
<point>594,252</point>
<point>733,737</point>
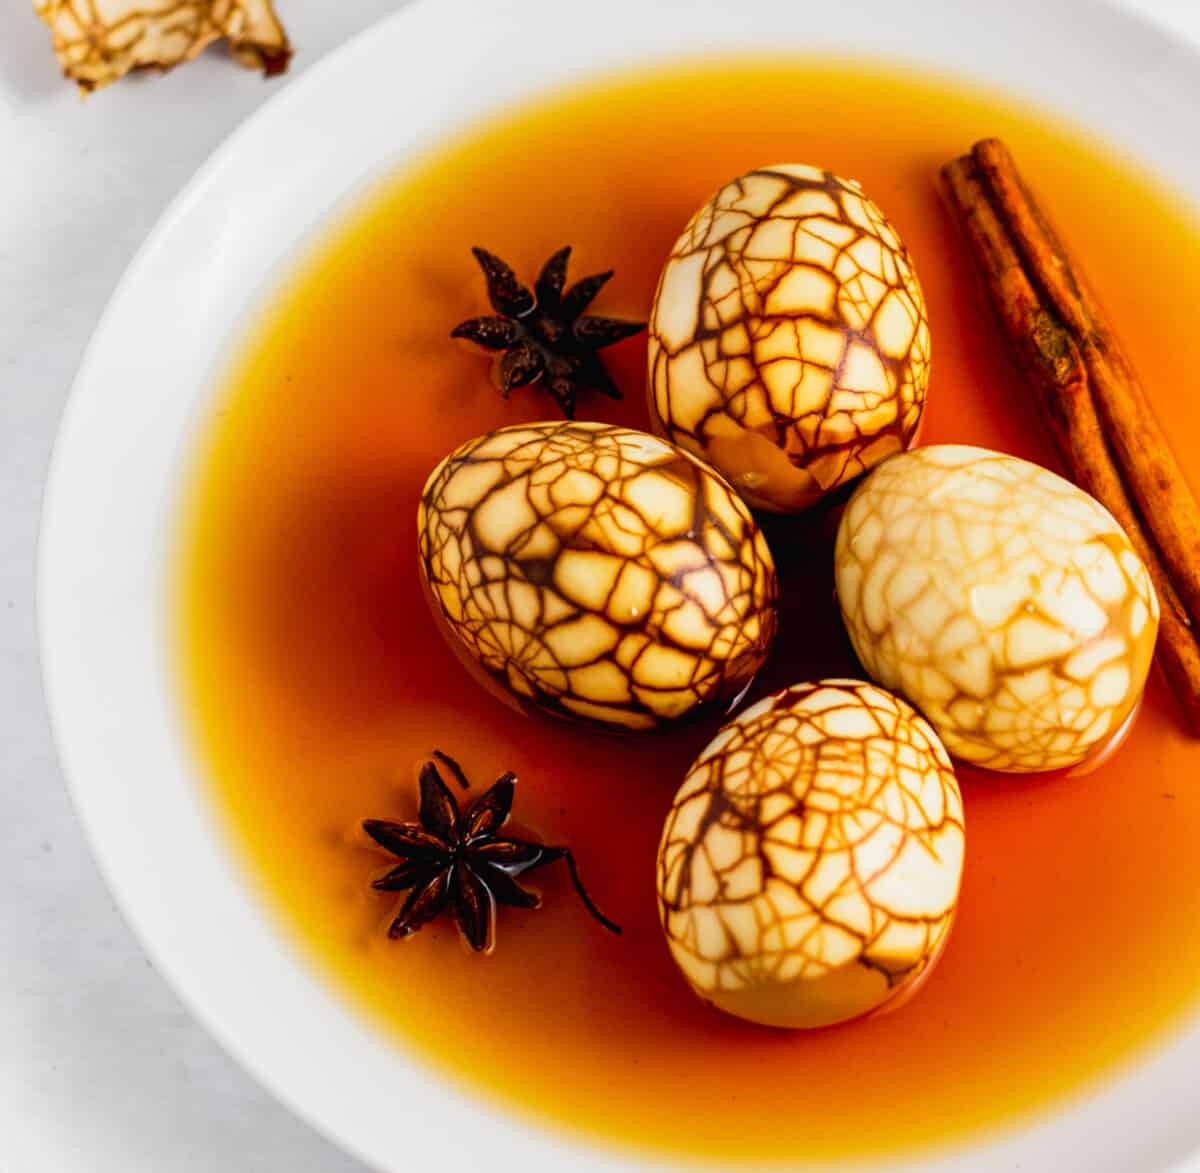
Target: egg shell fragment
<point>1001,600</point>
<point>597,573</point>
<point>789,339</point>
<point>810,865</point>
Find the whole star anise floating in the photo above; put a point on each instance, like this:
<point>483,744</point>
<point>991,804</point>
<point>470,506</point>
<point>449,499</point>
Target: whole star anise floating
<point>458,859</point>
<point>544,333</point>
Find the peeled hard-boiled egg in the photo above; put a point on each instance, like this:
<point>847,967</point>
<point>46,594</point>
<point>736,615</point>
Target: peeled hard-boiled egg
<point>810,865</point>
<point>1001,600</point>
<point>597,573</point>
<point>789,342</point>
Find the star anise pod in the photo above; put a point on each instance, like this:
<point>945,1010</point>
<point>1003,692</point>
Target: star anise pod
<point>459,860</point>
<point>544,333</point>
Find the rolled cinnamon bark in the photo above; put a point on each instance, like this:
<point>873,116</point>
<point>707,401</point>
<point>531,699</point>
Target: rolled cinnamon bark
<point>1148,466</point>
<point>1053,356</point>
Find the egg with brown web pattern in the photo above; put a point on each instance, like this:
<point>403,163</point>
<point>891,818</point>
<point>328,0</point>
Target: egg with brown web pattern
<point>789,340</point>
<point>596,573</point>
<point>1001,600</point>
<point>809,868</point>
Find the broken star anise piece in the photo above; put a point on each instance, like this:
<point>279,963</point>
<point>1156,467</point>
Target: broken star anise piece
<point>459,860</point>
<point>543,332</point>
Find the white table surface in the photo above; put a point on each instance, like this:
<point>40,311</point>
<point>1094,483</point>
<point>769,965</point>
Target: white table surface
<point>101,1068</point>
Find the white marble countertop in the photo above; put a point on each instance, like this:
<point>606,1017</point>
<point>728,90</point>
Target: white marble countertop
<point>101,1068</point>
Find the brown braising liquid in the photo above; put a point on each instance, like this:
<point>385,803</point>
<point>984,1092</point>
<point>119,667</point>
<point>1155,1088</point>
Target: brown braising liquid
<point>315,678</point>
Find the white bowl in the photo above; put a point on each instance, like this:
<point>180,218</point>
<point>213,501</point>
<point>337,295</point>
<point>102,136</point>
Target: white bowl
<point>144,388</point>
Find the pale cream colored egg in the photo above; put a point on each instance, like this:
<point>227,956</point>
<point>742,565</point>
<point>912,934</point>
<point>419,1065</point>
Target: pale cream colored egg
<point>597,573</point>
<point>1001,600</point>
<point>789,341</point>
<point>810,865</point>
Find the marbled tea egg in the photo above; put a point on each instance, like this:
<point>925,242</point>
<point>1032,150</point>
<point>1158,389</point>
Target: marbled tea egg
<point>597,573</point>
<point>1001,600</point>
<point>810,865</point>
<point>789,342</point>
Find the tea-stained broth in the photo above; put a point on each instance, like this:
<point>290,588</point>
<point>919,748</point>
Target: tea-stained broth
<point>315,679</point>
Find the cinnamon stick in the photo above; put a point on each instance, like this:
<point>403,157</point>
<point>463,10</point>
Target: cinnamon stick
<point>1053,349</point>
<point>1151,472</point>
